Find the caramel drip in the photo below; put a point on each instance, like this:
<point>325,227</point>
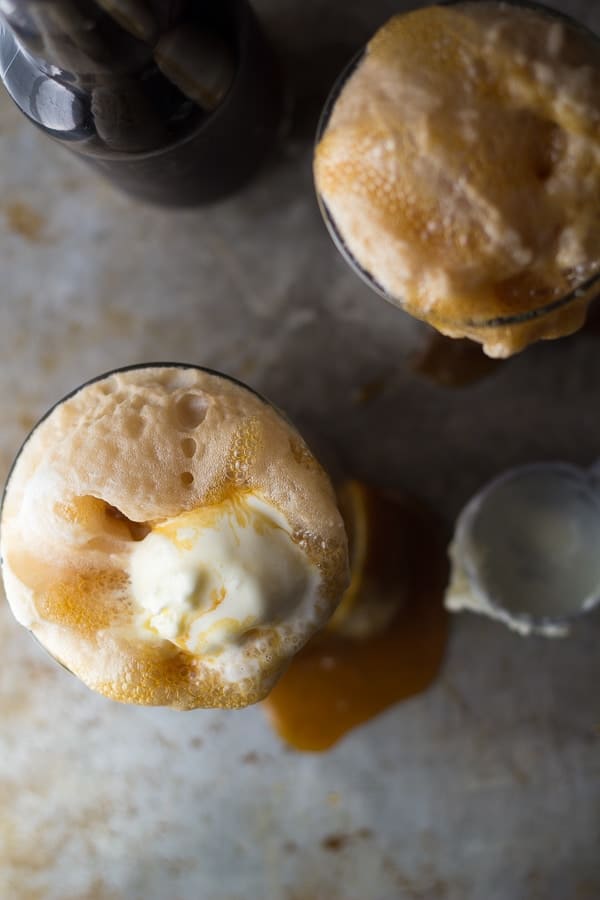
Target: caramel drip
<point>337,683</point>
<point>452,362</point>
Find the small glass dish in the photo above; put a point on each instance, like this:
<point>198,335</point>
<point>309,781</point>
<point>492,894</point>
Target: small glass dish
<point>525,549</point>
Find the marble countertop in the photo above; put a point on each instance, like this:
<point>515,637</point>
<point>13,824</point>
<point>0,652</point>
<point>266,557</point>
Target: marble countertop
<point>488,785</point>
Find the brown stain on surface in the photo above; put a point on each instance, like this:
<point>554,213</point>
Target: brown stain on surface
<point>452,362</point>
<point>592,322</point>
<point>333,843</point>
<point>337,683</point>
<point>24,220</point>
<point>26,421</point>
<point>370,390</point>
<point>117,321</point>
<point>50,362</point>
<point>251,758</point>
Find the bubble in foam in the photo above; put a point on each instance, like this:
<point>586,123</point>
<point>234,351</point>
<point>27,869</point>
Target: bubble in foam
<point>191,410</point>
<point>189,447</point>
<point>243,449</point>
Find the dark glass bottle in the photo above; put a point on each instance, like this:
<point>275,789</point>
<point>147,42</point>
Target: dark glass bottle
<point>175,101</point>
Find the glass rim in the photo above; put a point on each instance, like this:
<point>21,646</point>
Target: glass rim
<point>464,527</point>
<point>576,293</point>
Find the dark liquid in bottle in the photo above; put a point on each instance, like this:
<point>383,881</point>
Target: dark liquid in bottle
<point>175,102</point>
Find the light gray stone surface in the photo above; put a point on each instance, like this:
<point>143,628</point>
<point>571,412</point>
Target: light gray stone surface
<point>485,788</point>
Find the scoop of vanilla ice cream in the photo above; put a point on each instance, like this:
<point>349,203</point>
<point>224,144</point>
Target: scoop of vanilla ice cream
<point>205,579</point>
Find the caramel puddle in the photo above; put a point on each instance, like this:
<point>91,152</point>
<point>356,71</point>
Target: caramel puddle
<point>336,682</point>
<point>454,362</point>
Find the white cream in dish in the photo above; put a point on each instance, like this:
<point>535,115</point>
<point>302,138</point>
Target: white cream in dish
<point>525,549</point>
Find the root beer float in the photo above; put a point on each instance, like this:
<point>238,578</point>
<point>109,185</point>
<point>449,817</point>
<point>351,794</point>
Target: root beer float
<point>170,539</point>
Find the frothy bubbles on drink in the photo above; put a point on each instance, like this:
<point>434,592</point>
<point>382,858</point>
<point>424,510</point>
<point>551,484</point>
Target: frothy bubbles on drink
<point>458,170</point>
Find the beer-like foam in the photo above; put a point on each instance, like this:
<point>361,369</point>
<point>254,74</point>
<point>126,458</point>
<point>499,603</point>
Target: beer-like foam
<point>107,466</point>
<point>461,167</point>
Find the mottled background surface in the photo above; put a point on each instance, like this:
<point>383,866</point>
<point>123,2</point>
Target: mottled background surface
<point>485,788</point>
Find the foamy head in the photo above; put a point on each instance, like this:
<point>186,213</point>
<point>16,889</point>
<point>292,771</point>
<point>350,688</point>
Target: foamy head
<point>461,168</point>
<point>170,539</point>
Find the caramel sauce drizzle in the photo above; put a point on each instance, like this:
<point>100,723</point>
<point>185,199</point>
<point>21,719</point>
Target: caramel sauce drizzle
<point>338,682</point>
